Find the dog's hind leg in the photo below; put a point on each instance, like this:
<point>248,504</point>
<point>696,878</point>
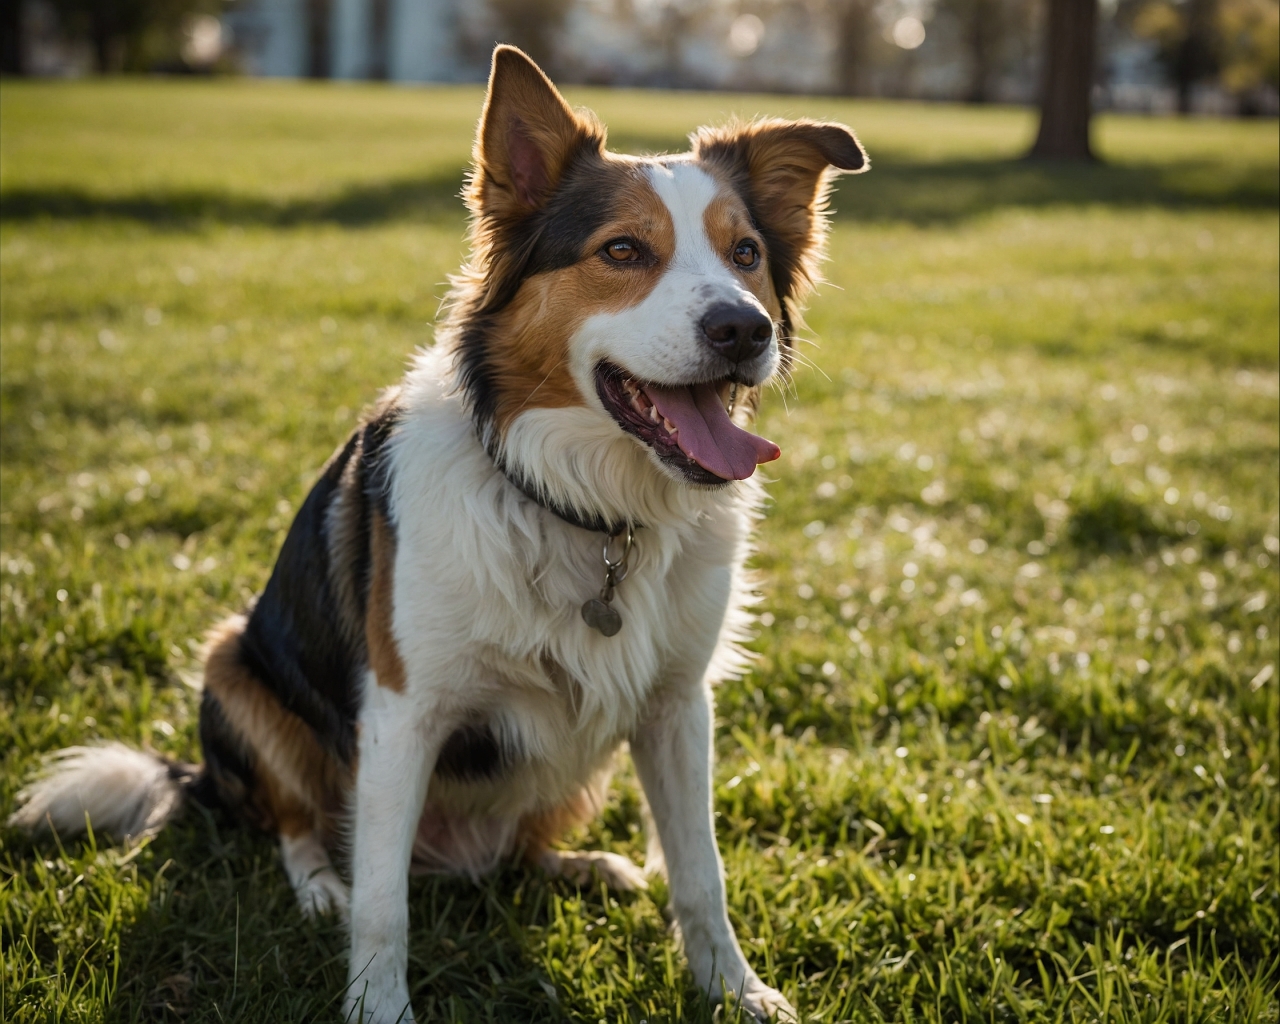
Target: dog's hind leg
<point>267,764</point>
<point>538,831</point>
<point>581,866</point>
<point>316,884</point>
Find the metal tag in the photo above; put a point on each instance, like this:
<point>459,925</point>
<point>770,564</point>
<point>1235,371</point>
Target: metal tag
<point>601,617</point>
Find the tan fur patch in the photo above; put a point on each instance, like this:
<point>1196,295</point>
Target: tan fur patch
<point>531,352</point>
<point>290,816</point>
<point>297,785</point>
<point>784,169</point>
<point>384,653</point>
<point>537,831</point>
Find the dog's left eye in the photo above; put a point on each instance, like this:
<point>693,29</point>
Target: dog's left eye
<point>746,254</point>
<point>622,250</point>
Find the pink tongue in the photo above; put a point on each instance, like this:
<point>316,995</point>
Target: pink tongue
<point>707,435</point>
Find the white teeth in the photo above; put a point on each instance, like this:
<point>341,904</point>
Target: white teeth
<point>639,401</point>
<point>671,427</point>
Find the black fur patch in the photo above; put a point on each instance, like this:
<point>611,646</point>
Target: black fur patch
<point>550,238</point>
<point>575,212</point>
<point>227,776</point>
<point>472,752</point>
<point>295,642</point>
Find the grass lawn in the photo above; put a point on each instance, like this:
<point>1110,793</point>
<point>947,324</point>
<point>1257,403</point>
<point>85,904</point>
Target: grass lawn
<point>1010,748</point>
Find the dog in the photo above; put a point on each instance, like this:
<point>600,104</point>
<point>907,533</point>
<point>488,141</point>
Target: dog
<point>529,553</point>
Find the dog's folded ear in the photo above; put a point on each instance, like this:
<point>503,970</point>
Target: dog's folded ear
<point>528,137</point>
<point>783,170</point>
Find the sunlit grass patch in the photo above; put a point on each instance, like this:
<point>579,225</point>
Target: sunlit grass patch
<point>1009,749</point>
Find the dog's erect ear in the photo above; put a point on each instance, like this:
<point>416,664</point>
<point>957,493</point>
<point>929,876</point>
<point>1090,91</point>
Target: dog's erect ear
<point>528,136</point>
<point>783,170</point>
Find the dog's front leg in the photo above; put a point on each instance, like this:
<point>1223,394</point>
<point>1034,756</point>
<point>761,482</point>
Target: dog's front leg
<point>398,749</point>
<point>672,754</point>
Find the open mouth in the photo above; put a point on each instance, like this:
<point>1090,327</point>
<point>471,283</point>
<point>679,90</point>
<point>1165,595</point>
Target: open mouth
<point>687,425</point>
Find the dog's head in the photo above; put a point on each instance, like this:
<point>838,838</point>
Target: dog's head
<point>632,300</point>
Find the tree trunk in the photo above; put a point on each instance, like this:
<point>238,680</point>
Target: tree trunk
<point>1066,97</point>
<point>853,31</point>
<point>11,37</point>
<point>979,54</point>
<point>1195,59</point>
<point>1184,95</point>
<point>379,39</point>
<point>318,42</point>
<point>533,25</point>
<point>102,37</point>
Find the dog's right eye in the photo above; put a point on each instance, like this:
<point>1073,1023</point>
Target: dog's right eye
<point>622,250</point>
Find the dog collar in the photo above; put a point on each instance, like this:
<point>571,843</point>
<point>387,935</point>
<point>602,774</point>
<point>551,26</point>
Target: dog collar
<point>594,522</point>
<point>597,612</point>
<point>591,521</point>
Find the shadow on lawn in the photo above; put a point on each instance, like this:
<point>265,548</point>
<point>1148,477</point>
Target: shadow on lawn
<point>222,939</point>
<point>405,199</point>
<point>940,193</point>
<point>933,193</point>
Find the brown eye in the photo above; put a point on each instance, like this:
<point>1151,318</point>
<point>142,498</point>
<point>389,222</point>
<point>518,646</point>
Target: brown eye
<point>746,254</point>
<point>622,250</point>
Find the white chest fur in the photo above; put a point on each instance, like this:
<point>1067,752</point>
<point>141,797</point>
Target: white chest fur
<point>489,586</point>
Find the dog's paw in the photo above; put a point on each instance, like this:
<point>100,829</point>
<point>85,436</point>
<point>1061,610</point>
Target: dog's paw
<point>767,1004</point>
<point>580,866</point>
<point>317,886</point>
<point>322,894</point>
<point>366,1005</point>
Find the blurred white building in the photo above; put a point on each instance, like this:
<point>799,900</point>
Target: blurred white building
<point>986,51</point>
<point>623,42</point>
<point>702,44</point>
<point>400,40</point>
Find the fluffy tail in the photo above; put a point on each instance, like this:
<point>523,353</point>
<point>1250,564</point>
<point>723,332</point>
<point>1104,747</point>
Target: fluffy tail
<point>121,791</point>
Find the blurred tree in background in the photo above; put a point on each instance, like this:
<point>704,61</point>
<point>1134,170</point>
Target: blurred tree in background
<point>1066,99</point>
<point>1199,41</point>
<point>990,33</point>
<point>854,26</point>
<point>1185,38</point>
<point>11,62</point>
<point>319,20</point>
<point>1249,33</point>
<point>1155,55</point>
<point>533,26</point>
<point>123,35</point>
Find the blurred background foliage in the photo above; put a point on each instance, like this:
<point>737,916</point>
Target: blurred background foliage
<point>1236,41</point>
<point>1212,56</point>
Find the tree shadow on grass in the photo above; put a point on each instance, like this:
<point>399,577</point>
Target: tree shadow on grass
<point>425,198</point>
<point>222,939</point>
<point>918,193</point>
<point>946,192</point>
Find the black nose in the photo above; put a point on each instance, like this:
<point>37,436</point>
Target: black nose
<point>737,332</point>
